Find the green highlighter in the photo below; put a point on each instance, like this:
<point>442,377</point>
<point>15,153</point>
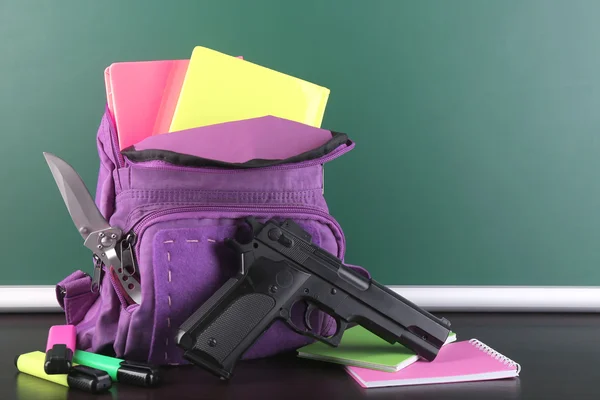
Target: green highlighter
<point>127,372</point>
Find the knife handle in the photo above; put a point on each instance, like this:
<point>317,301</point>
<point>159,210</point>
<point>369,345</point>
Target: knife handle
<point>128,286</point>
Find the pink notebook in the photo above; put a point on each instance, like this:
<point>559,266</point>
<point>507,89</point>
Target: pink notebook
<point>134,92</point>
<point>462,361</point>
<point>170,95</point>
<point>142,96</point>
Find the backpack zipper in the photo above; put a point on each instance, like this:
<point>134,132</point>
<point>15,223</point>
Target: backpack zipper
<point>147,220</point>
<point>164,165</point>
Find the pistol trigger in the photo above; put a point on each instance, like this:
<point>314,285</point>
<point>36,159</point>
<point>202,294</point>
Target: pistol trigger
<point>311,307</point>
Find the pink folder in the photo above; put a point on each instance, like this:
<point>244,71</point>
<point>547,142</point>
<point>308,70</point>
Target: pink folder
<point>456,362</point>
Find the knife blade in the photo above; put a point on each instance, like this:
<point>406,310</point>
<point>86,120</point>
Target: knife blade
<point>104,240</point>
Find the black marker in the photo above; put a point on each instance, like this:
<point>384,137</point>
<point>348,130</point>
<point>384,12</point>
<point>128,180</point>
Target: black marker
<point>128,372</point>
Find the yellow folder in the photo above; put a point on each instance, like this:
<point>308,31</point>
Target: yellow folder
<point>221,88</point>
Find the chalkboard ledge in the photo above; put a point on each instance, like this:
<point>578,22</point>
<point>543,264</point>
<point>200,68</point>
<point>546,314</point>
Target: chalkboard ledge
<point>432,298</point>
<point>28,299</point>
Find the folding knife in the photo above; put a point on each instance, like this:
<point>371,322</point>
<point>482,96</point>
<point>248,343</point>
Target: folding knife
<point>109,245</point>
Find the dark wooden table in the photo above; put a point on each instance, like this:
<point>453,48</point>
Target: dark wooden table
<point>559,355</point>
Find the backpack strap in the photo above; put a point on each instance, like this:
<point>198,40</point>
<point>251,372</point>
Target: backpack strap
<point>75,297</point>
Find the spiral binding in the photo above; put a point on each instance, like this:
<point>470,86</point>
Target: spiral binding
<point>500,357</point>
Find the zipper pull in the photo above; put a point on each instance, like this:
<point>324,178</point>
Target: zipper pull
<point>127,259</point>
<point>127,263</point>
<point>130,286</point>
<point>95,286</point>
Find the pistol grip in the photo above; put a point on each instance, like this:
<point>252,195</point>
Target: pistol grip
<point>224,338</point>
<point>219,332</point>
<point>237,314</point>
<point>228,323</point>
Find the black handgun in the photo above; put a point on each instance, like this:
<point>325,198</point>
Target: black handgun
<point>281,266</point>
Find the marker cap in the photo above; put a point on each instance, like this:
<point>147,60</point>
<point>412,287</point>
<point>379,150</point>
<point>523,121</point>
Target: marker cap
<point>89,379</point>
<point>138,374</point>
<point>58,360</point>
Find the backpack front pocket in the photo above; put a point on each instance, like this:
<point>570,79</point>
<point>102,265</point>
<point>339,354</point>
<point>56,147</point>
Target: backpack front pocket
<point>182,260</point>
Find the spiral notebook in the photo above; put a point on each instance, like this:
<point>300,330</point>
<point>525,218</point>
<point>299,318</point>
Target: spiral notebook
<point>462,361</point>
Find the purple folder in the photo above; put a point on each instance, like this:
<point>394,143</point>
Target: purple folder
<point>267,138</point>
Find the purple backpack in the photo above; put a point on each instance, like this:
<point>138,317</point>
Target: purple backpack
<point>181,194</point>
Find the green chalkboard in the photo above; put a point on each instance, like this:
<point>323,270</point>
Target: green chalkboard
<point>477,124</point>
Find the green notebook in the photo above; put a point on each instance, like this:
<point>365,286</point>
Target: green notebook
<point>361,348</point>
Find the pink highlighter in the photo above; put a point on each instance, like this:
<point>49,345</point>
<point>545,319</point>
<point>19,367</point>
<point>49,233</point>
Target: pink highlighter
<point>60,349</point>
